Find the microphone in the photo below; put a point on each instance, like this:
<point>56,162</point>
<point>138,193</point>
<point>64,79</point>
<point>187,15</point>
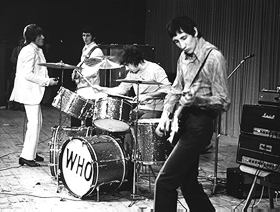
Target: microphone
<point>249,56</point>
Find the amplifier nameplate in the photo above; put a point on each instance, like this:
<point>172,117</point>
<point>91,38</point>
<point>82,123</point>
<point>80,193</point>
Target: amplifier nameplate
<point>259,152</point>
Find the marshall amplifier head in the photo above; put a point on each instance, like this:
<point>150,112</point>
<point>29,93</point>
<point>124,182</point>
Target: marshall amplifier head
<point>269,97</point>
<point>262,120</point>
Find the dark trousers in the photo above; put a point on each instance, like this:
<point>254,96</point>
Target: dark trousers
<point>181,167</point>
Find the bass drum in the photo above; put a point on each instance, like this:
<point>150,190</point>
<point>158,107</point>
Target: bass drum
<point>87,163</point>
<point>60,134</point>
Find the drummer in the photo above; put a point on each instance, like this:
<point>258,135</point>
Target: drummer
<point>89,69</point>
<point>150,95</point>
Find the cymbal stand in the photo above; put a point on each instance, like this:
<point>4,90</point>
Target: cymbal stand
<point>60,106</point>
<point>134,156</point>
<point>59,127</point>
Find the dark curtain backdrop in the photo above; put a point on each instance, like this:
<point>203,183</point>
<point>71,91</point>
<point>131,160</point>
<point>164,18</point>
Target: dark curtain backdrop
<point>238,28</point>
<point>113,21</point>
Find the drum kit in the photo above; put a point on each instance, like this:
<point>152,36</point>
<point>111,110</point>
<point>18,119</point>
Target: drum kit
<point>84,160</point>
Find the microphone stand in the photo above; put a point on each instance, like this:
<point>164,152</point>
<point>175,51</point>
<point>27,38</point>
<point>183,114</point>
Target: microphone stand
<point>242,61</point>
<point>218,130</point>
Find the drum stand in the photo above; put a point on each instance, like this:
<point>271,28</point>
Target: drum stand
<point>134,153</point>
<point>217,139</point>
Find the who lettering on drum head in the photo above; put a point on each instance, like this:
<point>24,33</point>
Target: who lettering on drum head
<point>87,163</point>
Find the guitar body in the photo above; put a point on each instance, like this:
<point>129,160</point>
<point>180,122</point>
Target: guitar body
<point>176,124</point>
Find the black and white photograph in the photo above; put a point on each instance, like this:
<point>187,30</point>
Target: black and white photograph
<point>140,105</point>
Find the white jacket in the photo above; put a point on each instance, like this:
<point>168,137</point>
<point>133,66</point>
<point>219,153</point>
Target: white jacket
<point>31,78</point>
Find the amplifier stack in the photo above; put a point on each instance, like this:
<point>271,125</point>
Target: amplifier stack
<point>259,140</point>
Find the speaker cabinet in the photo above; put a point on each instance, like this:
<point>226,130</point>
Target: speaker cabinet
<point>259,140</point>
<point>261,119</point>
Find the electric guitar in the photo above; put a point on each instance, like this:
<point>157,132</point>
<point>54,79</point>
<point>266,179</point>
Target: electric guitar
<point>175,123</point>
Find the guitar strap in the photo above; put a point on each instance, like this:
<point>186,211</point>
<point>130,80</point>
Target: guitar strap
<point>88,54</point>
<point>200,67</point>
<point>177,135</point>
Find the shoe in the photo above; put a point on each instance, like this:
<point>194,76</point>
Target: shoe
<point>39,158</point>
<point>31,163</point>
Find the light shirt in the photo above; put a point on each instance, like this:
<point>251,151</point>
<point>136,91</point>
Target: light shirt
<point>210,85</point>
<point>90,72</point>
<point>149,71</point>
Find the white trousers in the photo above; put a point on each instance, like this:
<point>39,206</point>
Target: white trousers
<point>34,124</point>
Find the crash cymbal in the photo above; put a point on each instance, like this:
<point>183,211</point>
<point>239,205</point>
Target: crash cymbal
<point>59,65</point>
<point>151,82</point>
<point>107,64</point>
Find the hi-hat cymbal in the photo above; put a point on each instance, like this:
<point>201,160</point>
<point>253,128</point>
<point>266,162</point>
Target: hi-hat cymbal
<point>59,65</point>
<point>151,82</point>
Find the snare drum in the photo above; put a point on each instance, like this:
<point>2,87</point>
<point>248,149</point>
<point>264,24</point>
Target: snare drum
<point>73,104</point>
<point>59,135</point>
<point>112,114</point>
<point>151,147</point>
<point>87,163</point>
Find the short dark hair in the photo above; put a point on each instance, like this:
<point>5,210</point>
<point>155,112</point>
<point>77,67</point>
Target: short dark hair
<point>182,23</point>
<point>31,32</point>
<point>87,29</point>
<point>132,55</point>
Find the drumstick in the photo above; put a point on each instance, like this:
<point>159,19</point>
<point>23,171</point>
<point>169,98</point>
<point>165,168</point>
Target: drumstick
<point>121,96</point>
<point>79,72</point>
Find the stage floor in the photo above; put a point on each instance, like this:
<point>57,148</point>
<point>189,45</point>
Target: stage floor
<point>24,188</point>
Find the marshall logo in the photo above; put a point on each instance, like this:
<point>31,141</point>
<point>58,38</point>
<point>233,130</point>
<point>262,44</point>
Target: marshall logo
<point>266,116</point>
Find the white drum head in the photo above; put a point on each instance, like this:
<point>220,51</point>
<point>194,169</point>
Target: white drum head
<point>77,167</point>
<point>148,121</point>
<point>111,125</point>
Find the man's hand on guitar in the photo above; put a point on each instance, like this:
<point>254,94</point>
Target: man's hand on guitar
<point>164,126</point>
<point>75,75</point>
<point>187,100</point>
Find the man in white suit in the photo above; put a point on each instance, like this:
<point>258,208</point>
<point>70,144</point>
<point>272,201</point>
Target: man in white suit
<point>29,87</point>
